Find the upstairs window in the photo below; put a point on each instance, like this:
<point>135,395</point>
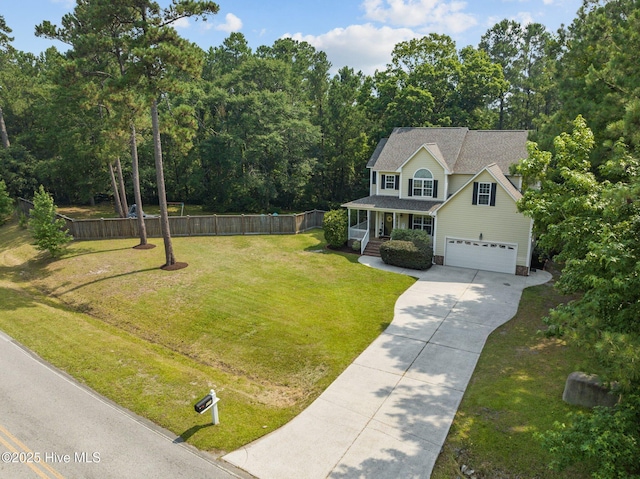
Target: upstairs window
<point>423,184</point>
<point>484,194</point>
<point>390,182</point>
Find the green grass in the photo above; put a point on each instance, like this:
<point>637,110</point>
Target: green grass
<point>106,210</point>
<point>516,391</point>
<point>268,321</point>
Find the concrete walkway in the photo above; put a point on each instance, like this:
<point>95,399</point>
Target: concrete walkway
<point>388,414</point>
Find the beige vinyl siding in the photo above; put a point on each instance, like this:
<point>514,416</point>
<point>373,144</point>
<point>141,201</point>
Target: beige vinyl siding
<point>500,223</point>
<point>386,191</point>
<point>517,181</point>
<point>422,159</point>
<point>457,181</point>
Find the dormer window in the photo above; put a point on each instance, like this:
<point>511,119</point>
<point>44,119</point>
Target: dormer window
<point>423,184</point>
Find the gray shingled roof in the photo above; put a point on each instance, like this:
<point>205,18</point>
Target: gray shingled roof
<point>504,181</point>
<point>463,150</point>
<point>393,203</point>
<point>483,147</point>
<point>376,154</point>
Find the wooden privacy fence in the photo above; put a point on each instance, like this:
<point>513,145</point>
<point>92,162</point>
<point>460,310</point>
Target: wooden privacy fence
<point>214,225</point>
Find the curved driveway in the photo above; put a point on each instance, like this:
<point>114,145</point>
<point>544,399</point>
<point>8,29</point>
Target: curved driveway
<point>388,414</point>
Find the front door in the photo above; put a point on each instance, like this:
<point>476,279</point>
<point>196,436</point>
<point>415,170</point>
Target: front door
<point>388,224</point>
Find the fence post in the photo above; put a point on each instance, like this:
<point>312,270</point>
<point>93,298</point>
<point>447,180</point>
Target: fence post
<point>215,225</point>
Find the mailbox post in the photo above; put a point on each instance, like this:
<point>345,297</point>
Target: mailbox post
<point>210,401</point>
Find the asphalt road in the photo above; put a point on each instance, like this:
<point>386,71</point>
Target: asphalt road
<point>54,428</point>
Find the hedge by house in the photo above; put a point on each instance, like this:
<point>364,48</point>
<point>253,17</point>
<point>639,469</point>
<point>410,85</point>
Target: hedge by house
<point>408,249</point>
<point>417,237</point>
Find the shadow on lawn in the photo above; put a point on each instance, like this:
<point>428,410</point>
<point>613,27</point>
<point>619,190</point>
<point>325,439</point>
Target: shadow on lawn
<point>106,278</point>
<point>426,399</point>
<point>185,436</point>
<point>85,251</point>
<point>11,300</point>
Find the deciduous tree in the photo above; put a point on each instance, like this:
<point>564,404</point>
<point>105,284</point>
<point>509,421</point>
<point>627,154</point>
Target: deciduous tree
<point>593,224</point>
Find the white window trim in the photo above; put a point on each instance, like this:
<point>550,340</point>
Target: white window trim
<point>422,223</point>
<point>484,195</point>
<point>390,179</point>
<point>427,185</point>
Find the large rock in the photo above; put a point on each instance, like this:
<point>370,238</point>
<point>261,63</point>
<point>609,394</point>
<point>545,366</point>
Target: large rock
<point>586,390</point>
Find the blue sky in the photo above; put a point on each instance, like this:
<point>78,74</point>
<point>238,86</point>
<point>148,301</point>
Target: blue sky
<point>356,33</point>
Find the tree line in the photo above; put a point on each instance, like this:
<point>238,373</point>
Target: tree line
<point>243,130</point>
<point>131,103</point>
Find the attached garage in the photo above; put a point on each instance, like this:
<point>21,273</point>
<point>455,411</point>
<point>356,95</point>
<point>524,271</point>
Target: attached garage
<point>484,255</point>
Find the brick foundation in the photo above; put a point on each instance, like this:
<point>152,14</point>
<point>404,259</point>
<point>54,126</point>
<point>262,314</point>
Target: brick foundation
<point>438,260</point>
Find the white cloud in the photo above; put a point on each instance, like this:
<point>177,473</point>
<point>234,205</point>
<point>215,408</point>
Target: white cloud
<point>368,47</point>
<point>435,15</point>
<point>69,4</point>
<point>361,47</point>
<point>182,23</point>
<point>524,18</point>
<point>231,24</point>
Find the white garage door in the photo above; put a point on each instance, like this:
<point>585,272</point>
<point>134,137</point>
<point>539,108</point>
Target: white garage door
<point>488,256</point>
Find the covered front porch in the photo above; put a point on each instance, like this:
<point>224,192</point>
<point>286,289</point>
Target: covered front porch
<point>375,217</point>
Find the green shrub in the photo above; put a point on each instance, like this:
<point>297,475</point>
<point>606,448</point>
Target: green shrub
<point>607,438</point>
<point>335,225</point>
<point>421,255</point>
<point>46,230</point>
<point>406,254</point>
<point>420,238</point>
<point>6,203</point>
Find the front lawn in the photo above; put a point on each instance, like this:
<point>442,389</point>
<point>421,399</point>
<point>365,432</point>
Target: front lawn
<point>515,392</point>
<point>268,321</point>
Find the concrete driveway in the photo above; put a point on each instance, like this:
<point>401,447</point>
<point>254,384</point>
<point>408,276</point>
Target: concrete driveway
<point>388,414</point>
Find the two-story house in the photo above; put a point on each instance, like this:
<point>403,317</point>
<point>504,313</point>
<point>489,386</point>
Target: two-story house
<point>455,184</point>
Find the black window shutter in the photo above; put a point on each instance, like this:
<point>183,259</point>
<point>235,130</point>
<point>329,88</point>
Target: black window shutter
<point>435,188</point>
<point>374,177</point>
<point>410,189</point>
<point>397,182</point>
<point>383,180</point>
<point>410,225</point>
<point>494,187</point>
<point>474,200</point>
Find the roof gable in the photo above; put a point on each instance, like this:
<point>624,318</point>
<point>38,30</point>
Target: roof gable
<point>403,143</point>
<point>434,151</point>
<point>495,171</point>
<point>459,150</point>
